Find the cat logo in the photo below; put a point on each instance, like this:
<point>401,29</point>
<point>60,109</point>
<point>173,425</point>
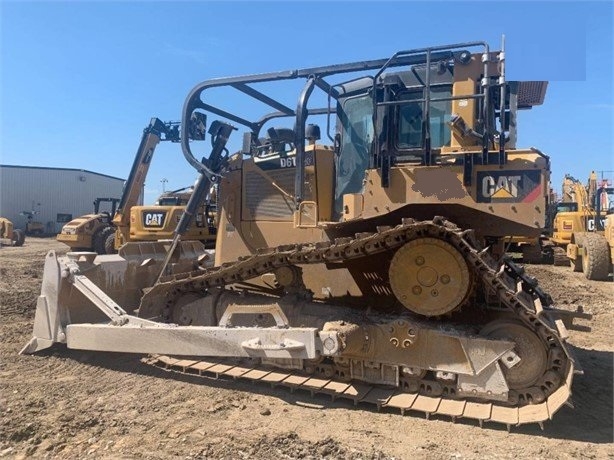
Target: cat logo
<point>591,224</point>
<point>508,186</point>
<point>501,187</point>
<point>154,219</point>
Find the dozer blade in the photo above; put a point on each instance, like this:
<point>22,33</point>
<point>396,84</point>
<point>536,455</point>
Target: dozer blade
<point>83,287</point>
<point>89,302</point>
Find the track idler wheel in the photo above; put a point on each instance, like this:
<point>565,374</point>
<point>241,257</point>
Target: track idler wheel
<point>529,348</point>
<point>430,277</point>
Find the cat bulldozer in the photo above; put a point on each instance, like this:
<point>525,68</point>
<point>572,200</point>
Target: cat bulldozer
<point>368,268</point>
<point>10,236</point>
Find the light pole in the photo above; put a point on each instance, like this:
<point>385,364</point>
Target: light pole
<point>164,181</point>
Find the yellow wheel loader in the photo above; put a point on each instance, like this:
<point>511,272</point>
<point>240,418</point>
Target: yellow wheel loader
<point>369,267</point>
<point>590,247</point>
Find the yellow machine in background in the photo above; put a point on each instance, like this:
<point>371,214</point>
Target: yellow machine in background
<point>589,231</point>
<point>581,210</point>
<point>33,227</point>
<point>575,216</point>
<point>97,232</point>
<point>91,232</point>
<point>106,232</point>
<point>10,236</point>
<point>158,221</point>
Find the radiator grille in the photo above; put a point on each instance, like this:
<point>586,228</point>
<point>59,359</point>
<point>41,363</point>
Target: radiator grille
<point>264,201</point>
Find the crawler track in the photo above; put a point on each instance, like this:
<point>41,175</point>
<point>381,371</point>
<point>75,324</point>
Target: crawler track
<point>506,284</point>
<point>382,397</point>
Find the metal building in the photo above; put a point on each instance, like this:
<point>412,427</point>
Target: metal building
<point>53,196</point>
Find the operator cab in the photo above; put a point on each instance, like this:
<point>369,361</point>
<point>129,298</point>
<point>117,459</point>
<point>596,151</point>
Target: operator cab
<point>401,124</point>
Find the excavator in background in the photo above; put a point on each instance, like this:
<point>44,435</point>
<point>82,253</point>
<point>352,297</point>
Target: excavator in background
<point>336,270</point>
<point>91,232</point>
<point>10,236</point>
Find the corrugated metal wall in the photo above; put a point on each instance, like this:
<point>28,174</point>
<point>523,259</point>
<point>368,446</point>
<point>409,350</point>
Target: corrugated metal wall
<point>52,191</point>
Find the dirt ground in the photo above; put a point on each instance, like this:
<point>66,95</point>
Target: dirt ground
<point>71,404</point>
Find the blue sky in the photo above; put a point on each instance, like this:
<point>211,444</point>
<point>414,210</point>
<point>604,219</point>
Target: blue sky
<point>80,80</point>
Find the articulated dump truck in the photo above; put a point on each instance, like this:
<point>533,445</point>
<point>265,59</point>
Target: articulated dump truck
<point>369,267</point>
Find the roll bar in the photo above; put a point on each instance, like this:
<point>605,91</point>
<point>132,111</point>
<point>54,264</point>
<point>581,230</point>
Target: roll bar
<point>316,77</point>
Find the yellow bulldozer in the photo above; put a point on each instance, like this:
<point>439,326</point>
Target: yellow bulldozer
<point>369,267</point>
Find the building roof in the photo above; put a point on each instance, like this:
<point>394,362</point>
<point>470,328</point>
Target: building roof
<point>61,169</point>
